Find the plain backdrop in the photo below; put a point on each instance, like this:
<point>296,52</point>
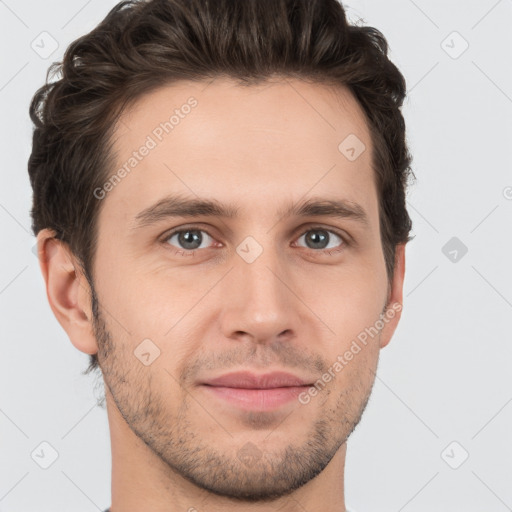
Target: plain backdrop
<point>436,434</point>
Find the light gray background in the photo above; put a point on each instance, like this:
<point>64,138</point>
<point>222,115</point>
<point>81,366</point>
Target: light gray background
<point>446,374</point>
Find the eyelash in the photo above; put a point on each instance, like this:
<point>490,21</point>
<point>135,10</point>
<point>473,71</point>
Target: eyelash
<point>328,252</point>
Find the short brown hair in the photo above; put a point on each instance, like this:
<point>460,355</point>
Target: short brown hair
<point>142,45</point>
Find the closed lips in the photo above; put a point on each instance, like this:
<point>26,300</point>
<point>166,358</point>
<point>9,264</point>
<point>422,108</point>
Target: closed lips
<point>249,380</point>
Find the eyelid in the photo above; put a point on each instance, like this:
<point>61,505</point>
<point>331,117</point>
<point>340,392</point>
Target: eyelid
<point>347,239</point>
<point>198,227</point>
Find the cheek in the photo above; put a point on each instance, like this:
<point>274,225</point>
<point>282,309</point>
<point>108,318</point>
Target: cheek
<point>351,307</point>
<point>349,301</point>
<point>149,300</point>
<point>135,303</point>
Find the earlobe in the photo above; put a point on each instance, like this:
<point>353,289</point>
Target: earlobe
<point>67,290</point>
<point>392,315</point>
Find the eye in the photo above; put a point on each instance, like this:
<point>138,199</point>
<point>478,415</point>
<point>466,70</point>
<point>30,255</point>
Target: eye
<point>188,239</point>
<point>320,239</point>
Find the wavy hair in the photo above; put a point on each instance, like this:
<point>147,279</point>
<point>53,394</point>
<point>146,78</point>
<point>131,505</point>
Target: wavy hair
<point>142,45</point>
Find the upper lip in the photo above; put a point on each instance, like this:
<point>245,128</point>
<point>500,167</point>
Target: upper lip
<point>250,380</point>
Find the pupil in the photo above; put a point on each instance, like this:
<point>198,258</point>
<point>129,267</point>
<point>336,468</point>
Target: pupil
<point>314,235</point>
<point>187,237</point>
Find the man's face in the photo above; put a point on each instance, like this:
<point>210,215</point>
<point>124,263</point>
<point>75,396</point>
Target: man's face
<point>257,292</point>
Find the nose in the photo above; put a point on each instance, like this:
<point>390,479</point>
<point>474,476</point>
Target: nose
<point>260,301</point>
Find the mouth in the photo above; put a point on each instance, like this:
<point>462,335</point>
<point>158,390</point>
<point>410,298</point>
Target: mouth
<point>251,391</point>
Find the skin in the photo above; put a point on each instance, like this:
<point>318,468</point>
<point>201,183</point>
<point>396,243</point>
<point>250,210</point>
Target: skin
<point>175,446</point>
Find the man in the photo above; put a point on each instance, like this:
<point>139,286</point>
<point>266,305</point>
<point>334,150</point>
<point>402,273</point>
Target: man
<point>219,203</point>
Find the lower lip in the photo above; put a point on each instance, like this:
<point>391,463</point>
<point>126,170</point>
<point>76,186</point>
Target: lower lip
<point>257,399</point>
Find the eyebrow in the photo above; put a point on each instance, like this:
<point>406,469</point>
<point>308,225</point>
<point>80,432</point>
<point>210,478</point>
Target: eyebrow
<point>178,206</point>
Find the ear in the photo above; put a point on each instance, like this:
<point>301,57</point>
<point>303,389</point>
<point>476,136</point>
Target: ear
<point>393,312</point>
<point>67,290</point>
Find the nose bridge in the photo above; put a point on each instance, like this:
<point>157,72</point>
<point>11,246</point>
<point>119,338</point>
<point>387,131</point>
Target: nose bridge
<point>262,304</point>
<point>261,281</point>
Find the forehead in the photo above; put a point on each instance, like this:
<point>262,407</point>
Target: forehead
<point>253,145</point>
